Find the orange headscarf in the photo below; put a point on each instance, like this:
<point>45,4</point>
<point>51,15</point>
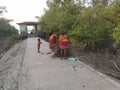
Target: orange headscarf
<point>63,38</point>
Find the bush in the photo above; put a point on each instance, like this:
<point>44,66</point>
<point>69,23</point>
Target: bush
<point>10,40</point>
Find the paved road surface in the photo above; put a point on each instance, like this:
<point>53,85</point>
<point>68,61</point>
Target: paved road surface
<point>40,71</point>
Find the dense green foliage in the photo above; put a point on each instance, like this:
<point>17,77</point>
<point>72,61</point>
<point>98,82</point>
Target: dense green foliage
<point>6,29</point>
<point>93,23</point>
<point>8,34</point>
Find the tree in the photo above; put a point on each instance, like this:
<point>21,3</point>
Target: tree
<point>86,24</point>
<point>6,29</point>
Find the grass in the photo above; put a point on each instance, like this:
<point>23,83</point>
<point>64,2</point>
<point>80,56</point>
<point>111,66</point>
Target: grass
<point>104,62</point>
<point>7,42</point>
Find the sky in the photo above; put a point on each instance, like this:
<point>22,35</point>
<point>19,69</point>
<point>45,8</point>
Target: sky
<point>23,10</point>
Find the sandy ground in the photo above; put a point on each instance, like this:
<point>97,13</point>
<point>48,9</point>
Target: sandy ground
<point>23,68</point>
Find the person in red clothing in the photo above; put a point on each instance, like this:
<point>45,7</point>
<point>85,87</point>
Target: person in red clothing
<point>63,45</point>
<point>38,44</point>
<point>52,41</point>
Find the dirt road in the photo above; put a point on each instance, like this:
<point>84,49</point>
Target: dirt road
<point>40,71</point>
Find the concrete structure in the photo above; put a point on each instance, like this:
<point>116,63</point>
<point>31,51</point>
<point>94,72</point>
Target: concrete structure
<point>24,29</point>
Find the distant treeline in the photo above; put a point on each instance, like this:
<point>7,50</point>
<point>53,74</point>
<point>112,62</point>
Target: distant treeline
<point>88,23</point>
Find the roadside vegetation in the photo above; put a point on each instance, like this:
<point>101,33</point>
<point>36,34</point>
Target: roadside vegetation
<point>8,35</point>
<point>93,28</point>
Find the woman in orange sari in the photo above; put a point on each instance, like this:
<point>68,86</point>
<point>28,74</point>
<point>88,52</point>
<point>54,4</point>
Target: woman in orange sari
<point>63,45</point>
<point>52,41</point>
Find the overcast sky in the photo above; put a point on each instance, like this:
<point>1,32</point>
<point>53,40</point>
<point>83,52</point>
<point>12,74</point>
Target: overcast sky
<point>23,10</point>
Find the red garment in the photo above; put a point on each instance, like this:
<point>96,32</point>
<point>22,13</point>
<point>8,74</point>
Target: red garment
<point>63,40</point>
<point>38,46</point>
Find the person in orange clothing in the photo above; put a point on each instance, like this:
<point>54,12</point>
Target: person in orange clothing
<point>63,45</point>
<point>53,41</point>
<point>38,44</point>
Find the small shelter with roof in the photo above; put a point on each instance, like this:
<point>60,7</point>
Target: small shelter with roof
<point>24,30</point>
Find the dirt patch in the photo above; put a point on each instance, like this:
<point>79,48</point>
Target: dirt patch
<point>103,62</point>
